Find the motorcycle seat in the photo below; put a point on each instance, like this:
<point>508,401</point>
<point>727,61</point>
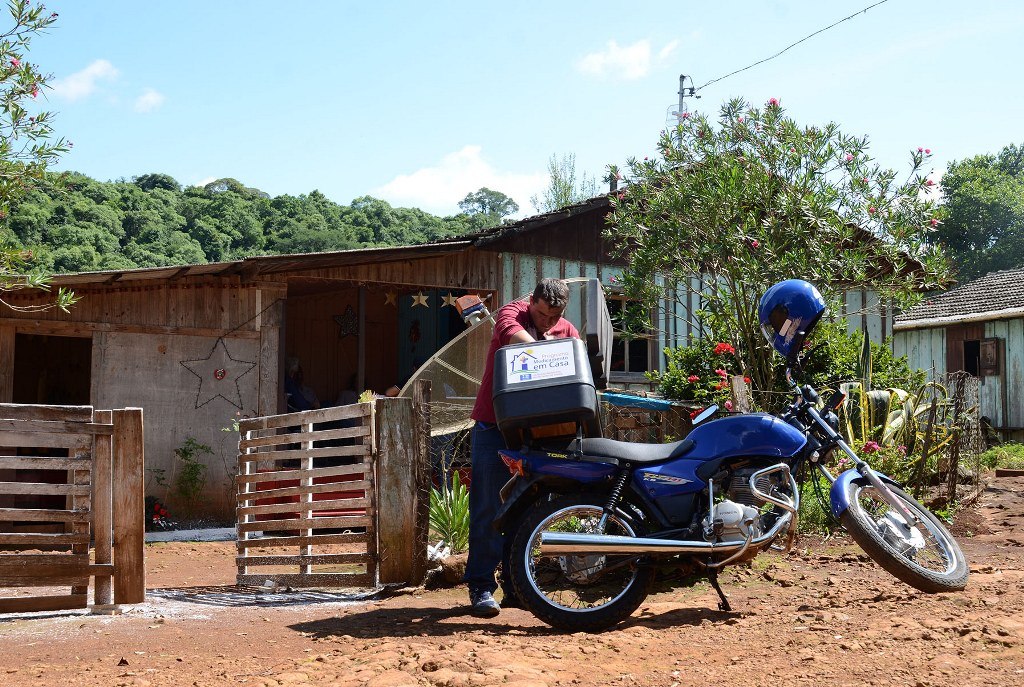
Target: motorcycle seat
<point>635,453</point>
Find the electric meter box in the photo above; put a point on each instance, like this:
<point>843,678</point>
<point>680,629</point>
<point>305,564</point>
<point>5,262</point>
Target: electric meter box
<point>545,387</point>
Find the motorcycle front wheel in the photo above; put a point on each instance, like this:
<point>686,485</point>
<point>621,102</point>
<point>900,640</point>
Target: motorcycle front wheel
<point>924,555</point>
<point>579,592</point>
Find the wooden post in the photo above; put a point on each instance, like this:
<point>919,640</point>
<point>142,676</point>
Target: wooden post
<point>102,520</point>
<point>128,499</point>
<point>740,394</point>
<point>423,478</point>
<point>396,489</point>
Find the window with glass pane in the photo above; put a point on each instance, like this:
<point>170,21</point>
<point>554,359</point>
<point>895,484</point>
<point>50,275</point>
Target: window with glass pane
<point>630,353</point>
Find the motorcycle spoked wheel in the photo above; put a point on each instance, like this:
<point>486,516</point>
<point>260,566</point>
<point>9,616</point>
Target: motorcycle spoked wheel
<point>578,593</point>
<point>925,556</point>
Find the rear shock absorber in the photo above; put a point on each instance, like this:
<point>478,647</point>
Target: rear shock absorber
<point>613,498</point>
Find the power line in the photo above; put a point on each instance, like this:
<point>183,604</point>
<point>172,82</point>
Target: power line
<point>881,2</point>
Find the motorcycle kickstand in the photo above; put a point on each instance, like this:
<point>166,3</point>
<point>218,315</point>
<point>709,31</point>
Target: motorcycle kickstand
<point>723,605</point>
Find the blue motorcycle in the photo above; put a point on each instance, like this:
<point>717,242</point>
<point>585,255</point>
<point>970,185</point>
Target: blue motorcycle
<point>589,526</point>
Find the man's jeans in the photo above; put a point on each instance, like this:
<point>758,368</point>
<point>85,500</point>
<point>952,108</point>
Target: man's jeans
<point>486,544</point>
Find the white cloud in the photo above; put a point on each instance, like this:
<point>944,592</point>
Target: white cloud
<point>625,62</point>
<point>439,188</point>
<point>84,83</point>
<point>149,100</point>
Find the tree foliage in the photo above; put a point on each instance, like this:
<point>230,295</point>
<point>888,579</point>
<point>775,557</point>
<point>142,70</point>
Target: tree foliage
<point>563,186</point>
<point>73,223</point>
<point>754,198</point>
<point>486,208</point>
<point>26,143</point>
<point>982,225</point>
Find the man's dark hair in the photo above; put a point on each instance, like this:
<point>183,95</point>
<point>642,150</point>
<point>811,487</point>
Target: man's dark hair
<point>554,291</point>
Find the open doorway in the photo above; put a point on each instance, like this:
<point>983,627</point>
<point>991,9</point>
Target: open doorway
<point>52,370</point>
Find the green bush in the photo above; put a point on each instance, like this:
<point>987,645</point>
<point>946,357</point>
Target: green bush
<point>1010,456</point>
<point>449,514</point>
<point>691,371</point>
<point>837,355</point>
<point>698,372</point>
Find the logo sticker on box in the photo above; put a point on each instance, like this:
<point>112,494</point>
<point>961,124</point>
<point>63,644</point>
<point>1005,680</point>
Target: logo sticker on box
<point>543,362</point>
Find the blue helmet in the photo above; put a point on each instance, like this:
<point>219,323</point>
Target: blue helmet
<point>788,312</point>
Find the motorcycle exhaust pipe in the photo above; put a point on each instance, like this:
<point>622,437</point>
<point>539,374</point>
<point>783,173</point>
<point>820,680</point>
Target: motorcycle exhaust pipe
<point>559,543</point>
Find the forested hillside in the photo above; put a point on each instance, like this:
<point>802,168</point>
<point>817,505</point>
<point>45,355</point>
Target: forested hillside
<point>74,223</point>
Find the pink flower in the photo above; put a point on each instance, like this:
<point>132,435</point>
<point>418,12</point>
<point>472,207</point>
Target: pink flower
<point>740,119</point>
<point>15,63</point>
<point>686,115</point>
<point>693,378</point>
<point>645,159</point>
<point>929,183</point>
<point>927,151</point>
<point>864,180</point>
<point>871,210</point>
<point>613,279</point>
<point>792,150</point>
<point>934,222</point>
<point>871,447</point>
<point>920,150</point>
<point>728,405</point>
<point>35,91</point>
<point>773,102</point>
<point>849,157</point>
<point>755,243</point>
<point>721,373</point>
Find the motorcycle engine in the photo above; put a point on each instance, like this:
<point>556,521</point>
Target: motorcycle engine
<point>730,523</point>
<point>739,488</point>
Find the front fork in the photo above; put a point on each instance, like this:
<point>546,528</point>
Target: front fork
<point>863,469</point>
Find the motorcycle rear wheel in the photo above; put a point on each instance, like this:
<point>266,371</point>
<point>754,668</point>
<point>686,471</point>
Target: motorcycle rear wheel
<point>925,556</point>
<point>577,593</point>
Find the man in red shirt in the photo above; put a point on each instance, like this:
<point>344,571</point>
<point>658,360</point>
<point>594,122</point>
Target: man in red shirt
<point>517,322</point>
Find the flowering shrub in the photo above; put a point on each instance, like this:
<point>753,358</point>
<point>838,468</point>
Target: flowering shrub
<point>157,515</point>
<point>698,372</point>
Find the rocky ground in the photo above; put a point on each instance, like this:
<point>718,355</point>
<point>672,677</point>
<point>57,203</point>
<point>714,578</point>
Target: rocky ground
<point>822,614</point>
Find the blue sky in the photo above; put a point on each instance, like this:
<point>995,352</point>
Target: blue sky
<point>421,103</point>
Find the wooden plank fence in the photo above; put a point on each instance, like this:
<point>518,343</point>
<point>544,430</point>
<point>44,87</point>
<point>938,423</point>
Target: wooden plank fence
<point>332,497</point>
<point>58,493</point>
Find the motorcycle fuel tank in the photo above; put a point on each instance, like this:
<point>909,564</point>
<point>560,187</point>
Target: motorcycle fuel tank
<point>754,435</point>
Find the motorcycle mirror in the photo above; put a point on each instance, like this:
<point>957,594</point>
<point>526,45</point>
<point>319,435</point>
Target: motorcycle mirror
<point>708,412</point>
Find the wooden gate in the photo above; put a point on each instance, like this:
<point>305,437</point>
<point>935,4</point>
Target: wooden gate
<point>71,475</point>
<point>333,497</point>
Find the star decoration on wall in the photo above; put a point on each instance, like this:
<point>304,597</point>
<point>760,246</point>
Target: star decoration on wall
<point>348,323</point>
<point>218,375</point>
<point>449,299</point>
<point>420,298</point>
<point>391,298</point>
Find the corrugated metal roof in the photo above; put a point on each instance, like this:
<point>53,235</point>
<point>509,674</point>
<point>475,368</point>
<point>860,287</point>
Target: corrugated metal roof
<point>998,294</point>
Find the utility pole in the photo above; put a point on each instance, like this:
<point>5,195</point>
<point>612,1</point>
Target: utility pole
<point>685,92</point>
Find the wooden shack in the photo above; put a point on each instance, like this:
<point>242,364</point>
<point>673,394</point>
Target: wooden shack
<point>200,346</point>
<point>978,328</point>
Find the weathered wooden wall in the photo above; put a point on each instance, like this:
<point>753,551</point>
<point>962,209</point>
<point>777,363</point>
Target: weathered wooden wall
<point>940,349</point>
<point>328,359</point>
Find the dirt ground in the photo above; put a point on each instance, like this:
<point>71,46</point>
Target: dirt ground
<point>823,613</point>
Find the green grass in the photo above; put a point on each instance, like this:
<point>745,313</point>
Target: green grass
<point>1010,456</point>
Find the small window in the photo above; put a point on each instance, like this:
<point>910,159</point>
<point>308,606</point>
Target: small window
<point>972,357</point>
<point>629,353</point>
